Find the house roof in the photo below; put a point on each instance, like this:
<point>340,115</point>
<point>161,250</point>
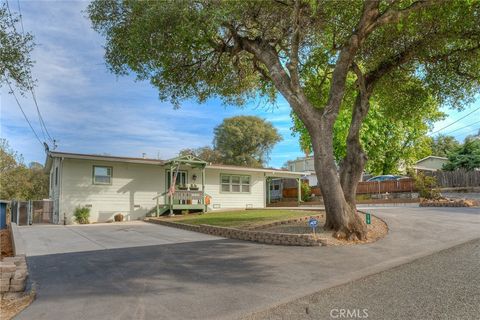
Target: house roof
<point>272,171</point>
<point>431,157</point>
<point>82,156</point>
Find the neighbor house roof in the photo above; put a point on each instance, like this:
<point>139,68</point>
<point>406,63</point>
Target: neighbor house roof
<point>431,157</point>
<point>82,156</point>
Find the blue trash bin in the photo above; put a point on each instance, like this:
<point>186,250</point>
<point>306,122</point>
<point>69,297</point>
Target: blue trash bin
<point>3,214</point>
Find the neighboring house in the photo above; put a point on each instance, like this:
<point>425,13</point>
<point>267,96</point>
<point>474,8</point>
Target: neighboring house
<point>136,186</point>
<point>430,164</point>
<point>305,165</point>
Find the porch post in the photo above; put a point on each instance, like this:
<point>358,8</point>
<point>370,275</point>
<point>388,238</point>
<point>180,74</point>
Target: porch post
<point>269,192</point>
<point>299,183</point>
<point>203,190</point>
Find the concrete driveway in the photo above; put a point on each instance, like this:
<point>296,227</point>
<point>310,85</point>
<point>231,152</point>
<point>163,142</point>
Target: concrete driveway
<point>219,278</point>
<point>54,239</point>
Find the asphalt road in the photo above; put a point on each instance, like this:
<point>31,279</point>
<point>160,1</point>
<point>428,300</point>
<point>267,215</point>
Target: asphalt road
<point>445,285</point>
<point>175,274</point>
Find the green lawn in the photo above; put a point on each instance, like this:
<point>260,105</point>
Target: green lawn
<point>243,218</point>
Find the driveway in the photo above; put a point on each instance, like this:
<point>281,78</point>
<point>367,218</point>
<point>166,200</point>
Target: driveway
<point>54,239</point>
<point>218,278</point>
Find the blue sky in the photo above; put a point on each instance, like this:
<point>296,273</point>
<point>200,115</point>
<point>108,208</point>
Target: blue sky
<point>89,110</point>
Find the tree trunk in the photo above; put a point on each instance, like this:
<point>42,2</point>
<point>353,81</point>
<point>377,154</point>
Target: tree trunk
<point>341,217</point>
<point>353,164</point>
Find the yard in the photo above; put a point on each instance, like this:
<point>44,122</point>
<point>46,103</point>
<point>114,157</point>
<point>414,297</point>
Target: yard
<point>248,219</point>
<point>243,218</point>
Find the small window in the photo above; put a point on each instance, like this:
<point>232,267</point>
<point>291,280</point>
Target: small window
<point>102,175</point>
<point>56,176</point>
<point>235,183</point>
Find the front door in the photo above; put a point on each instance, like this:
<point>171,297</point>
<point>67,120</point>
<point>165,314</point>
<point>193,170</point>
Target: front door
<point>182,179</point>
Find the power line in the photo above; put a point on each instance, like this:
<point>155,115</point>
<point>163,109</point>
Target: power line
<point>43,126</point>
<point>20,15</point>
<point>456,121</point>
<point>23,112</point>
<point>463,127</point>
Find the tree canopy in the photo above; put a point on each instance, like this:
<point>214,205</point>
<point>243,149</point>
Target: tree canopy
<point>18,181</point>
<point>443,146</point>
<point>245,140</point>
<point>15,49</point>
<point>467,156</point>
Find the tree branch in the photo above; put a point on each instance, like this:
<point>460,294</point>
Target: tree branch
<point>295,43</point>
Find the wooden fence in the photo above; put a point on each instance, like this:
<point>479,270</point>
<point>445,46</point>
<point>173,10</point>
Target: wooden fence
<point>367,187</point>
<point>445,179</point>
<point>458,178</point>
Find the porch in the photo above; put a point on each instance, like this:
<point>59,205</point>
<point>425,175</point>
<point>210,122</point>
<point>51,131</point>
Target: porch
<point>180,196</point>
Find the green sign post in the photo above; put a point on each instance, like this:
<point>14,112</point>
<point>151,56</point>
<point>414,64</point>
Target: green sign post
<point>367,216</point>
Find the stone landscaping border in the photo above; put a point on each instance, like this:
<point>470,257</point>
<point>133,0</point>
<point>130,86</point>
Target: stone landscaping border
<point>449,203</point>
<point>285,239</point>
<point>13,270</point>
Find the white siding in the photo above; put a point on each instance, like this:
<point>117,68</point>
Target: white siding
<point>229,200</point>
<point>131,192</point>
<point>133,187</point>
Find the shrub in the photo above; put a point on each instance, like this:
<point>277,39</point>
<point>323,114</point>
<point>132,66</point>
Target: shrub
<point>306,192</point>
<point>427,186</point>
<point>81,215</point>
<point>118,217</point>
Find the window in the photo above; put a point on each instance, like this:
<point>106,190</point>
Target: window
<point>102,175</point>
<point>56,176</point>
<point>235,183</point>
<point>181,178</point>
<point>51,181</point>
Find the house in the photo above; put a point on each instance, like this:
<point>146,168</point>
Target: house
<point>136,187</point>
<point>305,165</point>
<point>430,164</point>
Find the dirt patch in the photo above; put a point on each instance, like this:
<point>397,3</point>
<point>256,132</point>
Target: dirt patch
<point>376,230</point>
<point>6,249</point>
<point>13,304</point>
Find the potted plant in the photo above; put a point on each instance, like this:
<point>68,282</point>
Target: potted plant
<point>118,217</point>
<point>182,187</point>
<point>193,187</point>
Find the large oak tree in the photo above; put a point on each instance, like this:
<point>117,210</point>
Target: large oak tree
<point>242,49</point>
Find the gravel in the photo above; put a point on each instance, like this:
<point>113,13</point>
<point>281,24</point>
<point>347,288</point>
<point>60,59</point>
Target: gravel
<point>444,285</point>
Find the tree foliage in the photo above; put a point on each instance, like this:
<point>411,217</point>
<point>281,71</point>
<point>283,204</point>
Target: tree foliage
<point>15,49</point>
<point>394,133</point>
<point>467,156</point>
<point>245,140</point>
<point>17,181</point>
<point>443,146</point>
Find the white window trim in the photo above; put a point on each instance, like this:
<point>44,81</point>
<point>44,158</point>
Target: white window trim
<point>102,183</point>
<point>240,184</point>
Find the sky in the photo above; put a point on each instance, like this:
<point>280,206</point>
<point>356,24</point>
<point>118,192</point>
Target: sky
<point>89,110</point>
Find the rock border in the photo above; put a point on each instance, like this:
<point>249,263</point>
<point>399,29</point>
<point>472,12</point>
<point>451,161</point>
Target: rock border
<point>464,203</point>
<point>13,270</point>
<point>285,239</point>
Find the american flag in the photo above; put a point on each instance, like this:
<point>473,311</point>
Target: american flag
<point>171,190</point>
